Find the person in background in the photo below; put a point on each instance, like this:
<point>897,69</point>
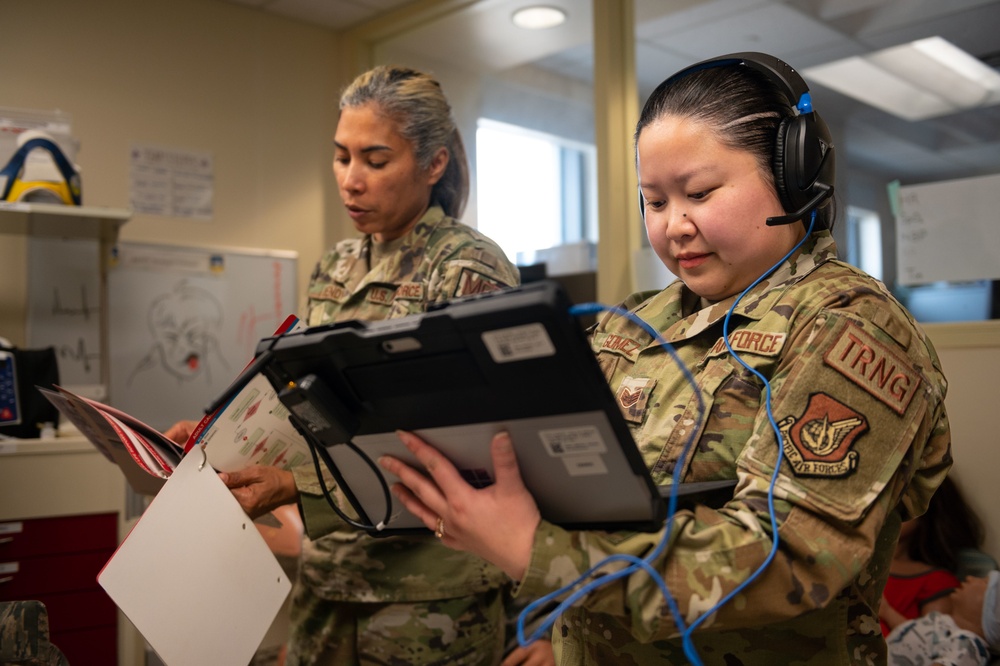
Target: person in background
<point>402,174</point>
<point>736,172</point>
<point>922,574</point>
<point>966,637</point>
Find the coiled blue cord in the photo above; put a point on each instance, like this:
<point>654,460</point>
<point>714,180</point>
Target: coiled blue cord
<point>645,564</point>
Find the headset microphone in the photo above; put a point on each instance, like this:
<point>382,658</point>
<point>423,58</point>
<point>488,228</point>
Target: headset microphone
<point>825,191</point>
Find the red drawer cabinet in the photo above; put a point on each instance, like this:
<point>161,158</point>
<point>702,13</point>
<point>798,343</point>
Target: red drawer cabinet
<point>56,561</point>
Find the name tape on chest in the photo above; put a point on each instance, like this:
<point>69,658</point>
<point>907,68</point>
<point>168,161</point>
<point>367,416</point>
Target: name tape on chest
<point>875,368</point>
<point>410,291</point>
<point>761,343</point>
<point>330,292</point>
<point>380,295</point>
<point>618,344</point>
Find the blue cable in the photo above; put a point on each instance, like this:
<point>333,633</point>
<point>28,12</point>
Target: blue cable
<point>646,563</point>
<point>544,629</point>
<point>686,635</point>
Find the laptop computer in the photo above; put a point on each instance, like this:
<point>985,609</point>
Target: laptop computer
<point>514,360</point>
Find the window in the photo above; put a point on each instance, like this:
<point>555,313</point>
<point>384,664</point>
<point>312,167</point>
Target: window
<point>537,196</point>
<point>864,240</point>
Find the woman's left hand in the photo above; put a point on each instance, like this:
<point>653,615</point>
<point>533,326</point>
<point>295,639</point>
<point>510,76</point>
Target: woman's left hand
<point>497,522</point>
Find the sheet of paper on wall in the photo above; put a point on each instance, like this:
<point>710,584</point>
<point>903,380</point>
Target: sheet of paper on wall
<point>194,575</point>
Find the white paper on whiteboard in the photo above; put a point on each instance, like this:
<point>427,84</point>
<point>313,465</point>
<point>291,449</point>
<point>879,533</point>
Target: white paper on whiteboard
<point>949,231</point>
<point>194,575</point>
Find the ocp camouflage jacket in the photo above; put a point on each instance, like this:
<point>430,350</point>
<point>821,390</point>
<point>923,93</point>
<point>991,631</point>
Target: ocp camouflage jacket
<point>857,395</point>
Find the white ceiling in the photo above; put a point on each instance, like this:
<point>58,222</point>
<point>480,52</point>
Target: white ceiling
<point>671,34</point>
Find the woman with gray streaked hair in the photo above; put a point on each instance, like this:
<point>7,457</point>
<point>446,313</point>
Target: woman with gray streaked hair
<point>423,116</point>
<point>401,172</point>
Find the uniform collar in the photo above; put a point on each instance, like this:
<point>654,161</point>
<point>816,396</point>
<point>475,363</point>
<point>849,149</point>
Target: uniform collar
<point>665,311</point>
<point>412,243</point>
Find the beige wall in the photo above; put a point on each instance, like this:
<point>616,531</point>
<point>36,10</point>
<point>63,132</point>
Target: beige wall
<point>970,356</point>
<point>257,92</point>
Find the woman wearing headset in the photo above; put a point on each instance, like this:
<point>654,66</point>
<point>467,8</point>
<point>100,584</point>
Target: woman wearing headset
<point>736,172</point>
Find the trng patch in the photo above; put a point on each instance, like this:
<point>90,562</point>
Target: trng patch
<point>874,367</point>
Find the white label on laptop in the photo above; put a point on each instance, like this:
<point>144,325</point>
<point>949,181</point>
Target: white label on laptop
<point>574,441</point>
<point>518,343</point>
<point>585,465</point>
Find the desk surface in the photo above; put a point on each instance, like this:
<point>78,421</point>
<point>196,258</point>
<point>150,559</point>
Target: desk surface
<point>57,477</point>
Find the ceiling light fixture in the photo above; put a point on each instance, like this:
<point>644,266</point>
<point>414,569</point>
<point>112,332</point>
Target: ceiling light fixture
<point>538,17</point>
<point>923,79</point>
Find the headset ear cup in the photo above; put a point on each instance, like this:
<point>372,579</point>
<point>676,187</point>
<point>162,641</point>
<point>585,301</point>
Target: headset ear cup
<point>779,166</point>
<point>801,160</point>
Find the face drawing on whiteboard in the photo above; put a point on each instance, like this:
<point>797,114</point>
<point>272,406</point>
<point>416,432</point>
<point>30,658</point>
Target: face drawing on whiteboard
<point>184,325</point>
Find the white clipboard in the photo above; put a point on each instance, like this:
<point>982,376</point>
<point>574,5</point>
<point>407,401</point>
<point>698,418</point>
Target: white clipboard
<point>194,575</point>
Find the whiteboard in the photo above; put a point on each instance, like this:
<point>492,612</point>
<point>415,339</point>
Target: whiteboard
<point>949,231</point>
<point>183,322</point>
<point>64,305</point>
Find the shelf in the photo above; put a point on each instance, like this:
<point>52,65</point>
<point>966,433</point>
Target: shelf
<point>59,221</point>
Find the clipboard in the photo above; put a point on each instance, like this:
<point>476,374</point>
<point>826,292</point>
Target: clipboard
<point>194,575</point>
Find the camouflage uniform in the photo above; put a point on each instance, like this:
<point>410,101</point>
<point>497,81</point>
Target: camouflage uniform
<point>24,635</point>
<point>396,600</point>
<point>858,395</point>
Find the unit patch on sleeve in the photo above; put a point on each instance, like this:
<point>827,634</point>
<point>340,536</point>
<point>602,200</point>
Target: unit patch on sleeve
<point>632,396</point>
<point>819,442</point>
<point>471,282</point>
<point>874,367</point>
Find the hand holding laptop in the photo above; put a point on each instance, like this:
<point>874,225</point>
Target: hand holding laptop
<point>496,522</point>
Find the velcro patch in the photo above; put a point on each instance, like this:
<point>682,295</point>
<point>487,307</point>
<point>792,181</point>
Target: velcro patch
<point>761,343</point>
<point>380,295</point>
<point>633,395</point>
<point>472,282</point>
<point>627,347</point>
<point>819,442</point>
<point>342,271</point>
<point>874,367</point>
<point>485,257</point>
<point>410,291</point>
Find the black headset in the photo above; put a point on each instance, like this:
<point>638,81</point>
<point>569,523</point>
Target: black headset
<point>803,162</point>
